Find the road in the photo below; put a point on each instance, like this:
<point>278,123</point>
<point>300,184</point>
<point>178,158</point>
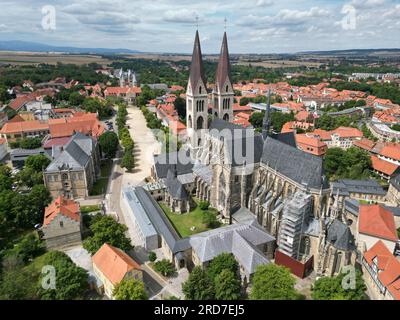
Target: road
<point>145,147</point>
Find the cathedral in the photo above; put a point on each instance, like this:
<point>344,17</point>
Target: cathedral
<point>260,174</point>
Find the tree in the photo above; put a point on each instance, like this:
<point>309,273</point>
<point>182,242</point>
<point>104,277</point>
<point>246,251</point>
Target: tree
<point>227,286</point>
<point>30,143</point>
<point>199,286</point>
<point>17,284</point>
<point>273,282</point>
<point>76,99</point>
<point>165,267</point>
<point>71,281</point>
<point>29,177</point>
<point>6,179</point>
<point>109,144</point>
<point>128,161</point>
<point>152,256</point>
<point>204,205</point>
<point>210,219</point>
<point>331,288</point>
<point>352,163</point>
<point>224,261</point>
<point>131,289</point>
<point>37,162</point>
<point>180,107</point>
<point>106,230</point>
<point>27,248</point>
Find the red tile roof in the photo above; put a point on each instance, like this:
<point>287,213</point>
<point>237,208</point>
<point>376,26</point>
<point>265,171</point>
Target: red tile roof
<point>375,220</point>
<point>113,263</point>
<point>391,151</point>
<point>85,123</point>
<point>26,126</point>
<point>383,166</point>
<point>66,207</point>
<point>347,132</point>
<point>365,144</point>
<point>388,265</point>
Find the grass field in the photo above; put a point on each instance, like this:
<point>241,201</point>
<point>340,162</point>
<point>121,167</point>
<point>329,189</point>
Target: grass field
<point>25,58</point>
<point>183,222</point>
<point>100,186</point>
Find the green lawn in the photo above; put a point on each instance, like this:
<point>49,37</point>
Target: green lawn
<point>89,209</point>
<point>183,222</point>
<point>100,186</point>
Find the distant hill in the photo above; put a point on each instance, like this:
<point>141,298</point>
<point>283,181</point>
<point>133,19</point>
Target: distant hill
<point>354,52</point>
<point>39,47</point>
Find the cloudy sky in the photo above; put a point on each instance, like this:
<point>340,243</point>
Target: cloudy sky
<point>253,26</point>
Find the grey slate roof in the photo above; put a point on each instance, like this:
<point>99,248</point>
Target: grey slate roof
<point>287,138</point>
<point>167,161</point>
<point>353,206</point>
<point>204,172</point>
<point>340,236</point>
<point>242,215</point>
<point>239,239</point>
<point>196,67</point>
<point>295,164</point>
<point>141,217</point>
<point>347,186</point>
<point>75,155</point>
<point>175,188</point>
<point>224,67</point>
<point>395,182</point>
<point>160,222</point>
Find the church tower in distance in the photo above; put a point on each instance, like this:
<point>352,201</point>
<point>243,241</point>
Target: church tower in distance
<point>223,94</point>
<point>196,97</point>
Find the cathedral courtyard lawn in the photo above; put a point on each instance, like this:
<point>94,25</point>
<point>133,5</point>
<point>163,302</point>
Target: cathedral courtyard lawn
<point>100,186</point>
<point>183,222</point>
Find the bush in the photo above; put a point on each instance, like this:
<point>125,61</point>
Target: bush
<point>210,220</point>
<point>165,267</point>
<point>152,256</point>
<point>204,205</point>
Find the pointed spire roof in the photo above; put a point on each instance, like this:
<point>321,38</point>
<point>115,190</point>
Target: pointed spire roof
<point>224,66</point>
<point>197,68</point>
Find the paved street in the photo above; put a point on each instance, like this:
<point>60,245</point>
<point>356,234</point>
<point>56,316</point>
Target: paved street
<point>146,146</point>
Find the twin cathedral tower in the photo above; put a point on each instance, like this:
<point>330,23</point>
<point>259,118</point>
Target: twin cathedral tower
<point>197,103</point>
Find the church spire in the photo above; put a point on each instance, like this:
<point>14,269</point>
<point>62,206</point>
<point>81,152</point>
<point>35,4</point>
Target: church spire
<point>267,118</point>
<point>197,68</point>
<point>224,66</point>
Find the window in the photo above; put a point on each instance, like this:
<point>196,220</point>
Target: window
<point>61,224</point>
<point>200,90</point>
<point>227,88</point>
<point>49,178</point>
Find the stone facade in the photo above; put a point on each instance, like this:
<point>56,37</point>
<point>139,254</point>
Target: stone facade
<point>74,168</point>
<point>61,232</point>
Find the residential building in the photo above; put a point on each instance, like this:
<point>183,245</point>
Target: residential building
<point>129,94</point>
<point>385,169</point>
<point>365,190</point>
<point>19,156</point>
<point>381,272</point>
<point>75,167</point>
<point>62,225</point>
<point>13,131</point>
<point>376,223</point>
<point>310,144</point>
<point>111,265</point>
